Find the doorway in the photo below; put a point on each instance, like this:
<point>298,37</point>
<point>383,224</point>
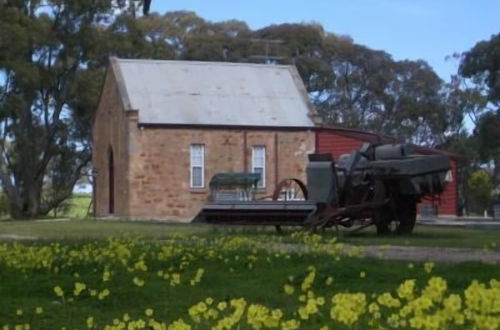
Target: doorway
<point>111,177</point>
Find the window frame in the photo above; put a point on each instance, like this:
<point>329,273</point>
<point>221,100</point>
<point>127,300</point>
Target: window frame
<point>192,165</point>
<point>262,182</point>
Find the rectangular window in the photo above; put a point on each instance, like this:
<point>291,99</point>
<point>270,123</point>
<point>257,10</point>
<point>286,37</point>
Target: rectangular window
<point>259,164</point>
<point>197,152</point>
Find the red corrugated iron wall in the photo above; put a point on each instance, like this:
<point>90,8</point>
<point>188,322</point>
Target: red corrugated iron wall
<point>329,141</point>
<point>448,203</point>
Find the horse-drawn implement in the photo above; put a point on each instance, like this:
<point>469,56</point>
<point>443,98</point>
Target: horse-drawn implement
<point>377,185</point>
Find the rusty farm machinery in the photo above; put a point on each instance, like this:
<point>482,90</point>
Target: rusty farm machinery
<point>376,185</point>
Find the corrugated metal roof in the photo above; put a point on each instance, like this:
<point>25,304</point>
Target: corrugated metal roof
<point>213,93</point>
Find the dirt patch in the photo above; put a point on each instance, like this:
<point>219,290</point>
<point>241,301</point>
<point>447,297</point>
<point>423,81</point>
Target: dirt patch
<point>421,253</point>
<point>10,237</point>
<point>396,252</point>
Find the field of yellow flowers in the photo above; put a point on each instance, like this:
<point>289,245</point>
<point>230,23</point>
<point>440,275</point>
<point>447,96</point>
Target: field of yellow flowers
<point>236,281</point>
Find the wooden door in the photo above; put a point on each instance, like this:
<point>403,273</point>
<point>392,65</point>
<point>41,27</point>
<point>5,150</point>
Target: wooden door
<point>111,171</point>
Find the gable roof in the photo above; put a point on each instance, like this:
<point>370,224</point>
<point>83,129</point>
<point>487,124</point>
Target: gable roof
<point>213,93</point>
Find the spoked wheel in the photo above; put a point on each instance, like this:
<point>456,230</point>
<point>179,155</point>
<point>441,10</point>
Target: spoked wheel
<point>290,190</point>
<point>398,219</point>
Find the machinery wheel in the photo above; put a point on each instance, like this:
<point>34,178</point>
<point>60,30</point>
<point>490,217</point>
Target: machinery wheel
<point>287,190</point>
<point>290,189</point>
<point>398,220</point>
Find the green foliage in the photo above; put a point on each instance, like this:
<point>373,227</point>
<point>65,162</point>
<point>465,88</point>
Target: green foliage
<point>52,60</point>
<point>482,63</point>
<point>481,188</point>
<point>489,136</point>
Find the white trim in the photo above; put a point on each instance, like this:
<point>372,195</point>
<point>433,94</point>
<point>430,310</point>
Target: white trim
<point>262,183</point>
<point>201,164</point>
<point>449,176</point>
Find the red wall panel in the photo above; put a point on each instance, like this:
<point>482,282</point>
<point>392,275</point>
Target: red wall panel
<point>448,203</point>
<point>335,144</point>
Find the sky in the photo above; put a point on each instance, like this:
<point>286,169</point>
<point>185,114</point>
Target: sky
<point>406,29</point>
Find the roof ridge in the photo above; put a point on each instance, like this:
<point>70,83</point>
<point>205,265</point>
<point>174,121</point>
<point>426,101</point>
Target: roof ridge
<point>207,63</point>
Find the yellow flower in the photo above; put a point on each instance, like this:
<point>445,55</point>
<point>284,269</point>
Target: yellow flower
<point>19,312</point>
<point>175,279</point>
<point>289,289</point>
<point>386,299</point>
<point>362,274</point>
<point>79,287</point>
<point>106,276</point>
<point>179,325</point>
<point>149,312</point>
<point>348,307</point>
<point>137,281</point>
<point>90,322</point>
<point>428,267</point>
<point>39,310</point>
<point>405,290</point>
<point>103,294</point>
<point>373,308</point>
<point>309,279</point>
<point>290,324</point>
<point>222,305</point>
<point>58,291</point>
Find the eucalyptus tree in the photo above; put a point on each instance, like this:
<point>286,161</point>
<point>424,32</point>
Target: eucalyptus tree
<point>51,57</point>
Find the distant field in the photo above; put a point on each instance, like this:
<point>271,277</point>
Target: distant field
<point>76,207</point>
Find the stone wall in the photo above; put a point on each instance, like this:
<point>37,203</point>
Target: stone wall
<point>110,135</point>
<point>160,164</point>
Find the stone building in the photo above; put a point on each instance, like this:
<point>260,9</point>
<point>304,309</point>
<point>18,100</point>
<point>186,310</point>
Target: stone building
<point>164,128</point>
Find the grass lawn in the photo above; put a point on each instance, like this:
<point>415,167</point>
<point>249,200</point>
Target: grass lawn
<point>174,267</point>
<point>434,236</point>
<point>83,229</point>
<point>76,207</point>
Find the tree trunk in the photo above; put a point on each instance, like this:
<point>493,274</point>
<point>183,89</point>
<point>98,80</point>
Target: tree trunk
<point>28,206</point>
<point>496,172</point>
<point>33,201</point>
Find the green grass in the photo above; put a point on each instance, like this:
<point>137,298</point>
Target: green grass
<point>433,236</point>
<point>88,229</point>
<point>84,229</point>
<point>76,207</point>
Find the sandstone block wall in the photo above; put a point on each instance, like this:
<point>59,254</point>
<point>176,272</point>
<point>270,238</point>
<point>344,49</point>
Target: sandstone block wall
<point>110,135</point>
<point>160,165</point>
